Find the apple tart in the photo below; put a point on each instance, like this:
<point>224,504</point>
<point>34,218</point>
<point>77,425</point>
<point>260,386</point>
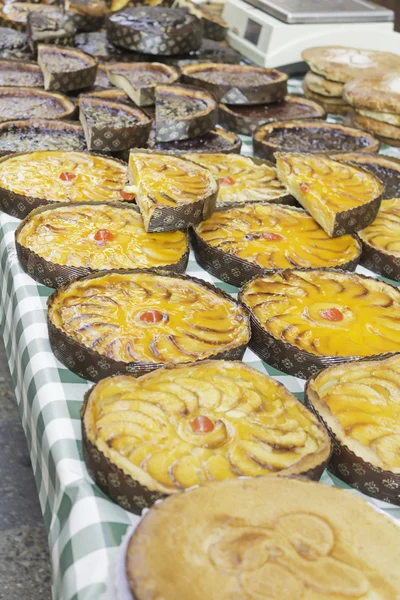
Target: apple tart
<point>56,244</point>
<point>239,243</point>
<point>266,538</point>
<point>304,320</point>
<point>32,179</point>
<point>138,321</point>
<point>381,241</point>
<point>342,198</point>
<point>172,193</point>
<point>359,403</point>
<point>175,428</point>
<point>243,179</point>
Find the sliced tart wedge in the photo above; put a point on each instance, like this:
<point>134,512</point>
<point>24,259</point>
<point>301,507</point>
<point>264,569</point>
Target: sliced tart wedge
<point>32,103</point>
<point>305,320</point>
<point>135,321</point>
<point>58,243</point>
<point>264,538</point>
<point>112,126</point>
<point>32,179</point>
<point>236,244</point>
<point>243,179</point>
<point>359,404</point>
<point>139,80</point>
<point>217,140</point>
<point>238,84</point>
<point>210,421</point>
<point>183,112</point>
<point>214,26</point>
<point>50,27</point>
<point>15,14</point>
<point>342,198</point>
<point>171,192</point>
<point>88,15</point>
<point>66,69</point>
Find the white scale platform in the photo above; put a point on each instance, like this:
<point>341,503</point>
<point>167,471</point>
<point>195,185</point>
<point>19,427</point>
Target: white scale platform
<point>273,33</point>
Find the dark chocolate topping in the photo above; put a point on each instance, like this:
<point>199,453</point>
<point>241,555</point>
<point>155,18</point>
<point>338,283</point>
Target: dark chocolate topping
<point>31,137</point>
<point>277,110</point>
<point>209,142</point>
<point>314,139</point>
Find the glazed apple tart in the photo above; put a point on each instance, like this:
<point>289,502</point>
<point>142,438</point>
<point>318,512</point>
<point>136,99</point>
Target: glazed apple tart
<point>267,538</point>
<point>241,242</point>
<point>305,320</point>
<point>33,179</point>
<point>243,179</point>
<point>172,193</point>
<point>138,321</point>
<point>359,403</point>
<point>176,428</point>
<point>341,198</point>
<point>381,241</point>
<point>56,244</point>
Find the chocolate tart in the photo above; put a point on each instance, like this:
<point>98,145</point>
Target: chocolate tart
<point>50,27</point>
<point>58,243</point>
<point>209,421</point>
<point>217,140</point>
<point>236,244</point>
<point>341,63</point>
<point>358,403</point>
<point>172,193</point>
<point>88,15</point>
<point>378,128</point>
<point>341,197</point>
<point>304,320</point>
<point>214,27</point>
<point>101,82</point>
<point>19,73</point>
<point>386,168</point>
<point>246,119</point>
<point>14,45</point>
<point>96,44</point>
<point>381,241</point>
<point>183,112</point>
<point>66,69</point>
<point>264,538</point>
<point>112,126</point>
<point>322,86</point>
<point>209,51</point>
<point>334,106</point>
<point>315,137</point>
<point>160,319</point>
<point>40,134</point>
<point>243,179</point>
<point>32,179</point>
<point>238,84</point>
<point>14,14</point>
<point>155,30</point>
<point>139,80</point>
<point>31,103</point>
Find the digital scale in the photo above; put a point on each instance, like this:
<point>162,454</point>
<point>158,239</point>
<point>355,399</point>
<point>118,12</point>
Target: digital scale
<point>273,33</point>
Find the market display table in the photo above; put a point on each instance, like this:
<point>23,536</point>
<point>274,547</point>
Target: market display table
<point>84,527</point>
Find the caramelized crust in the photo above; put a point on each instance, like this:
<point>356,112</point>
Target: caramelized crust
<point>240,178</point>
<point>181,427</point>
<point>72,236</point>
<point>384,233</point>
<point>147,318</point>
<point>327,313</point>
<point>40,175</point>
<point>326,187</point>
<point>276,237</point>
<point>360,402</point>
<point>266,538</point>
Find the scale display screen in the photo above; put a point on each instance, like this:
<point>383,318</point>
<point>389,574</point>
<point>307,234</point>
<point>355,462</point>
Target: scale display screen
<point>252,33</point>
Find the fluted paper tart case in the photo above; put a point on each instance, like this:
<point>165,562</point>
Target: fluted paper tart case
<point>63,80</point>
<point>237,271</point>
<point>92,365</point>
<point>287,357</point>
<point>344,463</point>
<point>139,491</point>
<point>20,205</point>
<point>53,274</point>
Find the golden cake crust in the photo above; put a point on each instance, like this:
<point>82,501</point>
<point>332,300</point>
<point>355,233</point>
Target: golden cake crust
<point>378,92</point>
<point>322,86</point>
<point>275,538</point>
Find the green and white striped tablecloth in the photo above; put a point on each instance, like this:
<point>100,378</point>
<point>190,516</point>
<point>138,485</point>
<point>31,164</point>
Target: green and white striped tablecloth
<point>84,527</point>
